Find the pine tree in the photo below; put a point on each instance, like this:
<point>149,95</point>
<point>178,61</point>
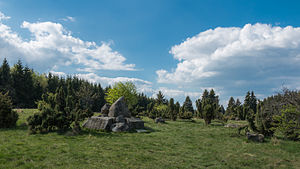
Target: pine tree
<point>5,78</point>
<point>188,105</point>
<point>231,108</point>
<point>172,110</point>
<point>18,84</point>
<point>199,108</point>
<point>250,103</point>
<point>210,105</point>
<point>160,98</point>
<point>28,86</point>
<point>239,110</point>
<point>8,117</point>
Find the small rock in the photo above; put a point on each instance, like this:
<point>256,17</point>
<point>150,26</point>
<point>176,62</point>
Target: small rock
<point>142,131</point>
<point>120,127</point>
<point>232,125</point>
<point>120,119</point>
<point>105,110</point>
<point>135,123</point>
<point>255,137</point>
<point>159,120</point>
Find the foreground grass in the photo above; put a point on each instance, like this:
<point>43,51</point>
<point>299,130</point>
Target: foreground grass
<point>177,144</point>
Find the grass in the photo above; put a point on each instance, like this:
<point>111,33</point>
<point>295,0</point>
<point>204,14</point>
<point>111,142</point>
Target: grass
<point>179,144</point>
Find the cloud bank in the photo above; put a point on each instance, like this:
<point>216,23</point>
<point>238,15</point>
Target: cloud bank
<point>237,58</point>
<point>217,51</point>
<point>51,43</point>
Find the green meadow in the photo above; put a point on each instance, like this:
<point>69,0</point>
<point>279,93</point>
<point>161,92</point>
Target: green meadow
<point>179,144</point>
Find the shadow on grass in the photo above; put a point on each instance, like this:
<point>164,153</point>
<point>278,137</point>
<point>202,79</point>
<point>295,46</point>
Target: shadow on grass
<point>19,127</point>
<point>216,124</point>
<point>102,133</point>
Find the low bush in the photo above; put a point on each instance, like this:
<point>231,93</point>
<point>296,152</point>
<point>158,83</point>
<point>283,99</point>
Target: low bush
<point>8,117</point>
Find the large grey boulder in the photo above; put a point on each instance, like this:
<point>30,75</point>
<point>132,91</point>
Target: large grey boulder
<point>120,119</point>
<point>119,108</point>
<point>120,127</point>
<point>159,120</point>
<point>135,123</point>
<point>255,137</point>
<point>105,110</point>
<point>99,123</point>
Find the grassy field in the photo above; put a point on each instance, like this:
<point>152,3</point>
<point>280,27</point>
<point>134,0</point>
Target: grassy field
<point>177,144</point>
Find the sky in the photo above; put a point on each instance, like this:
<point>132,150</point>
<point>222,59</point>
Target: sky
<point>179,47</point>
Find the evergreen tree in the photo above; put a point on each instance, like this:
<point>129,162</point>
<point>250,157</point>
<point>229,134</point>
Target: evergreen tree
<point>160,98</point>
<point>231,108</point>
<point>199,108</point>
<point>29,89</point>
<point>172,110</point>
<point>5,78</point>
<point>18,85</point>
<point>177,108</point>
<point>8,117</point>
<point>188,105</point>
<point>187,110</point>
<point>239,109</point>
<point>250,103</point>
<point>210,105</point>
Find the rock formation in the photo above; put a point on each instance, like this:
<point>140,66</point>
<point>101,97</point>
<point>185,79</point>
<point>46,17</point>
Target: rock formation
<point>255,137</point>
<point>105,110</point>
<point>119,108</point>
<point>119,119</point>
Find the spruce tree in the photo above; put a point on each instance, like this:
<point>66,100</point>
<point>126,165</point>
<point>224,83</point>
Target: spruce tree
<point>231,108</point>
<point>18,84</point>
<point>8,117</point>
<point>160,98</point>
<point>199,108</point>
<point>210,105</point>
<point>172,111</point>
<point>5,77</point>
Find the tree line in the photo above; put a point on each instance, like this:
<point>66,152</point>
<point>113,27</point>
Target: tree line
<point>65,101</point>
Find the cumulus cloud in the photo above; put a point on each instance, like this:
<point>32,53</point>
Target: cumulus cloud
<point>3,17</point>
<point>238,59</point>
<point>51,43</point>
<point>217,51</point>
<point>69,18</point>
<point>142,85</point>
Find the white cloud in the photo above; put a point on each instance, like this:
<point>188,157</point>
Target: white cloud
<point>61,74</point>
<point>142,85</point>
<point>3,17</point>
<point>51,43</point>
<point>69,18</point>
<point>217,52</point>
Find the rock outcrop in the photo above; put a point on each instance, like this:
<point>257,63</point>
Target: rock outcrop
<point>119,108</point>
<point>99,123</point>
<point>159,120</point>
<point>105,110</point>
<point>118,119</point>
<point>255,137</point>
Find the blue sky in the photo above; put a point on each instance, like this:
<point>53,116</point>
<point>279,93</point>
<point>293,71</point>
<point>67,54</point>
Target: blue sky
<point>176,46</point>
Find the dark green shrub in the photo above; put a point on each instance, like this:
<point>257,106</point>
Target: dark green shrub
<point>186,115</point>
<point>288,123</point>
<point>8,117</point>
<point>58,111</point>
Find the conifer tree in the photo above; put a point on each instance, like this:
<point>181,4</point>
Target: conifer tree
<point>8,117</point>
<point>231,108</point>
<point>18,84</point>
<point>172,110</point>
<point>199,108</point>
<point>5,78</point>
